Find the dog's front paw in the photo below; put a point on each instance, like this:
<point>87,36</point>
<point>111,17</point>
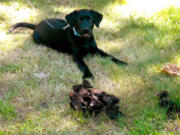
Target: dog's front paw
<point>123,63</point>
<point>88,75</point>
<point>119,62</point>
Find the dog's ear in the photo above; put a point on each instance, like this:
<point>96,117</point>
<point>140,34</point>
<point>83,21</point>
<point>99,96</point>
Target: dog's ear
<point>97,17</point>
<point>70,18</point>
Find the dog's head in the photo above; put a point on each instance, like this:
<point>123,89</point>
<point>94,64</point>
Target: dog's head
<point>83,21</point>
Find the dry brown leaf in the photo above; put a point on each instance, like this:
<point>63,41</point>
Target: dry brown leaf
<point>171,70</point>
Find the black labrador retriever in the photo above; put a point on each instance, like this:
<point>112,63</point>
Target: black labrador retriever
<point>76,39</point>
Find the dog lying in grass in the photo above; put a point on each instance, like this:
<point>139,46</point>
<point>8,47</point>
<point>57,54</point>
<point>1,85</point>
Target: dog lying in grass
<point>74,37</point>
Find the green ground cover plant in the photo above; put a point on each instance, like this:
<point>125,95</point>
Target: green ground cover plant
<point>30,105</point>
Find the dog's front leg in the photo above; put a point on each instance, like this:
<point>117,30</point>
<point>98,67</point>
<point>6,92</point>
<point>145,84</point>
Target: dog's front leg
<point>104,55</point>
<point>82,66</point>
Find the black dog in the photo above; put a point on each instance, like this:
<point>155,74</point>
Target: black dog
<point>76,39</point>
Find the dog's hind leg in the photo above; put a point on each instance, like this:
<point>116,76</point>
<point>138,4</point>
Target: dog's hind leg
<point>37,37</point>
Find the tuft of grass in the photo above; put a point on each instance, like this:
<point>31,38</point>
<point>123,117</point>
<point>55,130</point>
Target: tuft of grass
<point>150,123</point>
<point>6,108</point>
<point>10,68</point>
<point>41,105</point>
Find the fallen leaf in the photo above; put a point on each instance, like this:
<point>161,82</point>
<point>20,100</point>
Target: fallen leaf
<point>171,70</point>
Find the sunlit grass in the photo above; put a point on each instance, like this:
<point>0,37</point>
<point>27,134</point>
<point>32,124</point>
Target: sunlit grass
<point>15,12</point>
<point>18,12</point>
<point>147,39</point>
<point>177,60</point>
<point>145,8</point>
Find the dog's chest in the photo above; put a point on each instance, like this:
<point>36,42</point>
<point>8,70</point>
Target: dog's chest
<point>83,44</point>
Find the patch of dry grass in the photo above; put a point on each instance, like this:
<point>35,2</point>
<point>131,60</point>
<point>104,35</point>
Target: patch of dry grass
<point>41,105</point>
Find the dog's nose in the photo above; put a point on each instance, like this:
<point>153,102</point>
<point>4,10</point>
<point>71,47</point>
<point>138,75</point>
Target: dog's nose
<point>86,30</point>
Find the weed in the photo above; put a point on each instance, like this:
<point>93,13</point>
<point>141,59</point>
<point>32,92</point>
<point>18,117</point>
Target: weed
<point>147,43</point>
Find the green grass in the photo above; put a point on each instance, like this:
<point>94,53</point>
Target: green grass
<point>31,106</point>
<point>10,68</point>
<point>6,109</point>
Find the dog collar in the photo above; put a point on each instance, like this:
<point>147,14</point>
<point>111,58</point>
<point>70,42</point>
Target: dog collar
<point>75,32</point>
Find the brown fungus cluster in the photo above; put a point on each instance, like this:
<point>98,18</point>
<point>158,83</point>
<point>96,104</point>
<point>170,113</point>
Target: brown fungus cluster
<point>86,98</point>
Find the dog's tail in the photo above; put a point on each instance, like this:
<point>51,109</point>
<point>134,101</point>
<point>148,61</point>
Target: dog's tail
<point>22,24</point>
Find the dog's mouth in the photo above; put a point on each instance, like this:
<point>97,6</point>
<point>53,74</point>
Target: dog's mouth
<point>87,35</point>
<point>80,33</point>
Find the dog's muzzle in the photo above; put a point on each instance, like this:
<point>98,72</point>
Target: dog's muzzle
<point>85,33</point>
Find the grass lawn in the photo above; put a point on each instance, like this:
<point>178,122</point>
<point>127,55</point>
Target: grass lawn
<point>31,105</point>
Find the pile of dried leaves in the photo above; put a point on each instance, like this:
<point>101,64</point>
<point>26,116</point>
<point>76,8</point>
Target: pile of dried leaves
<point>171,70</point>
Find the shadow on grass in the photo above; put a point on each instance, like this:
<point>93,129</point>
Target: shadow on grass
<point>149,45</point>
<point>143,49</point>
<point>142,35</point>
<point>45,101</point>
<point>73,3</point>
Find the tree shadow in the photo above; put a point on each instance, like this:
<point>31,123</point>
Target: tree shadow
<point>142,36</point>
<point>140,51</point>
<point>146,47</point>
<point>76,4</point>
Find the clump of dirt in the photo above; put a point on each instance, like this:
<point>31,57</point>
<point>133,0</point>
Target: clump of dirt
<point>86,98</point>
<point>169,104</point>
